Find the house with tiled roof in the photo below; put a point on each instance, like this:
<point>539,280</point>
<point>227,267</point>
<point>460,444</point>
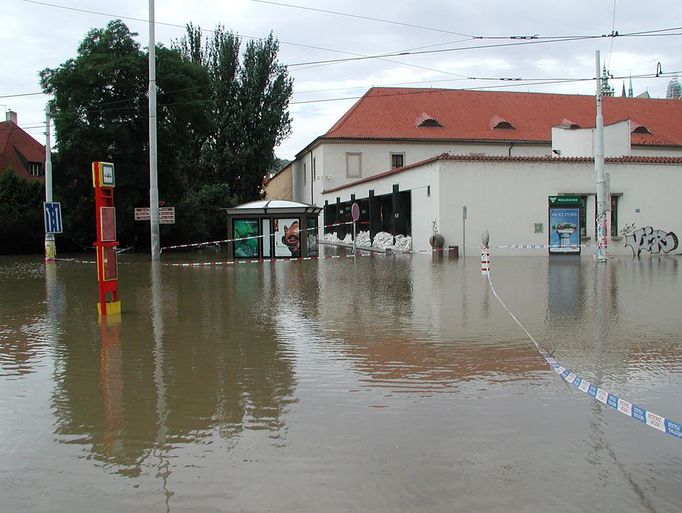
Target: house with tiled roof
<point>415,158</point>
<point>19,151</point>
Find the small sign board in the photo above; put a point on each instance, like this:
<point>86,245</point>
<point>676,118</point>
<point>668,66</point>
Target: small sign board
<point>355,211</point>
<point>166,214</point>
<point>142,214</point>
<point>53,217</point>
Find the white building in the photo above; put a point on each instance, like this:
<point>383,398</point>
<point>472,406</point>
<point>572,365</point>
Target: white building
<point>415,157</point>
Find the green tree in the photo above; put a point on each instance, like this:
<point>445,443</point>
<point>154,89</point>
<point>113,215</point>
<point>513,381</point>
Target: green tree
<point>249,107</point>
<point>100,112</point>
<point>21,219</point>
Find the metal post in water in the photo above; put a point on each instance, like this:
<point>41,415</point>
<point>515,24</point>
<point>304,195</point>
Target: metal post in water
<point>50,247</point>
<point>485,253</point>
<point>599,169</point>
<point>153,175</point>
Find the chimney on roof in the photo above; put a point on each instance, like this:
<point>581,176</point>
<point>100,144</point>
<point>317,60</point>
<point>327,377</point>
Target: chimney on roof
<point>11,116</point>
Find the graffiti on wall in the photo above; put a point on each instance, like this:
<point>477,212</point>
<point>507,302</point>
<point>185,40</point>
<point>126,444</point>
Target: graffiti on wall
<point>653,241</point>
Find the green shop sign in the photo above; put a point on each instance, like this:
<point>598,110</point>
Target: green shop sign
<point>564,201</point>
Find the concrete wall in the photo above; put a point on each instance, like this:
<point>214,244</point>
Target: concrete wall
<point>579,142</point>
<point>508,198</point>
<point>330,160</point>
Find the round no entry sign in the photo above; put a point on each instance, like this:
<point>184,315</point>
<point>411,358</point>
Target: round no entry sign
<point>355,211</point>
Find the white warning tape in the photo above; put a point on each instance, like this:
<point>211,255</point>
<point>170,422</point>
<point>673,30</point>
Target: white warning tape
<point>225,241</point>
<point>602,395</point>
<point>257,261</point>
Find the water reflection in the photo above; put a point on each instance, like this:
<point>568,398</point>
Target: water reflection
<point>398,382</point>
<point>205,367</point>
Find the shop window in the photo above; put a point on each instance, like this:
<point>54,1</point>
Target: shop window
<point>353,165</point>
<point>614,216</point>
<point>397,160</point>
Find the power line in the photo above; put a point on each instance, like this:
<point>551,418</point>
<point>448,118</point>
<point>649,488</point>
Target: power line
<point>443,50</point>
<point>19,94</point>
<point>174,25</point>
<point>532,41</point>
<point>357,16</point>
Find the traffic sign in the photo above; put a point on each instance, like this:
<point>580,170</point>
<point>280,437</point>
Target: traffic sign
<point>53,217</point>
<point>355,211</point>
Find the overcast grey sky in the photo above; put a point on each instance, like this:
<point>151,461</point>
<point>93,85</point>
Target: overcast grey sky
<point>36,35</point>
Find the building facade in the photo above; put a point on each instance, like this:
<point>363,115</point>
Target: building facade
<point>415,158</point>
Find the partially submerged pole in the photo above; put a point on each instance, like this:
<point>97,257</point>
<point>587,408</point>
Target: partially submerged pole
<point>599,169</point>
<point>153,175</point>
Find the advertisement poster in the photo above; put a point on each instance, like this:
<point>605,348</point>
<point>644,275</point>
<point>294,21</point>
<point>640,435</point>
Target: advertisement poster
<point>564,232</point>
<point>287,237</point>
<point>312,237</point>
<point>245,228</point>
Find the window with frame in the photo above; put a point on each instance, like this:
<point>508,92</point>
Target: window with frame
<point>353,165</point>
<point>305,174</point>
<point>314,171</point>
<point>397,160</point>
<point>35,168</point>
<point>583,216</point>
<point>614,216</point>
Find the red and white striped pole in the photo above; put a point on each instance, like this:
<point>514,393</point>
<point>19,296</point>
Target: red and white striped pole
<point>485,253</point>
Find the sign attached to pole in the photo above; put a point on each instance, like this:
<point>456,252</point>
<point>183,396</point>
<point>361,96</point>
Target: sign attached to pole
<point>166,214</point>
<point>53,217</point>
<point>355,211</point>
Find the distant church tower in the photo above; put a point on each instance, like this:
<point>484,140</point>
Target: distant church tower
<point>606,89</point>
<point>630,93</point>
<point>674,89</point>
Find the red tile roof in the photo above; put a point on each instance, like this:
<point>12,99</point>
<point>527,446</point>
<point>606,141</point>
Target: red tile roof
<point>17,149</point>
<point>390,113</point>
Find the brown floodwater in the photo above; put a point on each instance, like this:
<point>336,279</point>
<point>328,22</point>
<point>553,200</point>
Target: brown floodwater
<point>369,384</point>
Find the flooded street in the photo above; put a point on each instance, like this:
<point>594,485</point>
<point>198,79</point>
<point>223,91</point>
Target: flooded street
<point>376,384</point>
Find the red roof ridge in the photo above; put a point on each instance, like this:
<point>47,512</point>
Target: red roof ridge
<point>467,115</point>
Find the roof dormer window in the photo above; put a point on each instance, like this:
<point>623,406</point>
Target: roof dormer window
<point>567,123</point>
<point>35,169</point>
<point>636,128</point>
<point>426,121</point>
<point>498,123</point>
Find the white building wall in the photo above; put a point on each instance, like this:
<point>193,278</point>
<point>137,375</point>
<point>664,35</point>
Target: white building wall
<point>508,198</point>
<point>579,142</point>
<point>376,157</point>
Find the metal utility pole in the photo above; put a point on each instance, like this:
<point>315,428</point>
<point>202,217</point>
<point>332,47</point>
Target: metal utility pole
<point>153,175</point>
<point>50,247</point>
<point>599,168</point>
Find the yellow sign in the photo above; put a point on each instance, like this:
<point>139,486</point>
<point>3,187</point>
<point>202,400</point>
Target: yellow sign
<point>103,174</point>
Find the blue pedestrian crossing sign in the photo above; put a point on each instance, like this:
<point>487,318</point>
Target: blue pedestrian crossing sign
<point>53,217</point>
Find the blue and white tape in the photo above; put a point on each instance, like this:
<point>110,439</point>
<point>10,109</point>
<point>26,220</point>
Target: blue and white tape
<point>651,419</point>
<point>612,401</point>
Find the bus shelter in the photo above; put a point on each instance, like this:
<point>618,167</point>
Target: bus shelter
<point>272,229</point>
